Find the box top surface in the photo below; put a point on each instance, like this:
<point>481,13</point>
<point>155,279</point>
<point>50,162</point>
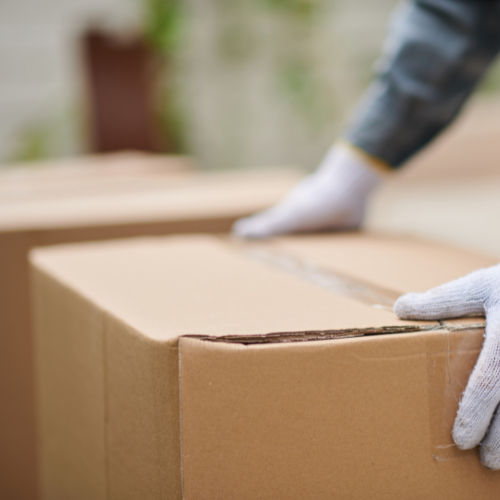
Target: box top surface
<point>287,289</point>
<point>132,189</point>
<point>67,177</point>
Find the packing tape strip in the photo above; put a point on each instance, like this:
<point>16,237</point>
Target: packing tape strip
<point>310,271</point>
<point>451,357</point>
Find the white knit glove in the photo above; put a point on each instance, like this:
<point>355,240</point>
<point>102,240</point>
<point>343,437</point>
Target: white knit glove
<point>332,198</point>
<point>478,417</point>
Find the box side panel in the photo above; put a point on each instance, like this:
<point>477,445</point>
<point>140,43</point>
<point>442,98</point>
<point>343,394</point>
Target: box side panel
<point>17,407</point>
<point>70,392</point>
<point>334,419</point>
<point>143,424</point>
<point>132,230</point>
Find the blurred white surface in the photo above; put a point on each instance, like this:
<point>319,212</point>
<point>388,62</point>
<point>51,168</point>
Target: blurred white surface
<point>461,212</point>
<point>258,84</point>
<point>451,192</point>
<point>40,66</point>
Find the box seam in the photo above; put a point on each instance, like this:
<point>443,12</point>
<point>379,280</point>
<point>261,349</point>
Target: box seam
<point>107,457</point>
<point>180,419</point>
<point>315,336</point>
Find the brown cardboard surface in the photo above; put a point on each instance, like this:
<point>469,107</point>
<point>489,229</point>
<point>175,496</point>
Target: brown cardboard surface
<point>347,418</point>
<point>213,388</point>
<point>143,423</point>
<point>400,263</point>
<point>74,360</point>
<point>208,274</point>
<point>88,174</point>
<point>182,198</point>
<point>116,202</point>
<point>92,168</point>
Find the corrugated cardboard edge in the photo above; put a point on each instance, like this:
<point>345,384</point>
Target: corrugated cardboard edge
<point>281,337</point>
<point>180,420</point>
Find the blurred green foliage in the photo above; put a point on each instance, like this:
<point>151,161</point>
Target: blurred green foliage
<point>238,39</point>
<point>297,81</point>
<point>491,82</point>
<point>305,10</point>
<point>34,143</point>
<point>171,119</point>
<point>296,69</point>
<point>164,29</point>
<point>51,136</point>
<point>163,24</point>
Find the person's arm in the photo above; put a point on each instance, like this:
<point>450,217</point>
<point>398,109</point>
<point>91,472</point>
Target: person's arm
<point>478,417</point>
<point>436,53</point>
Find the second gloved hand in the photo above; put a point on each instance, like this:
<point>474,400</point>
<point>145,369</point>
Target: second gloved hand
<point>334,198</point>
<point>478,417</point>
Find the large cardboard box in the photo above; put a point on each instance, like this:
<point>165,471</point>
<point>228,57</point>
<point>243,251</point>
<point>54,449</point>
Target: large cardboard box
<point>200,368</point>
<point>94,199</point>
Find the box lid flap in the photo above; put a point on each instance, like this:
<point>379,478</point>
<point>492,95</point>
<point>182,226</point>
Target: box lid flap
<point>400,263</point>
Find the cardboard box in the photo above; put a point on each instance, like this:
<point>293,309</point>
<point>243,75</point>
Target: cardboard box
<point>199,368</point>
<point>122,196</point>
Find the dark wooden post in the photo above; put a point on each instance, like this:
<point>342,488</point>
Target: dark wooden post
<point>121,92</point>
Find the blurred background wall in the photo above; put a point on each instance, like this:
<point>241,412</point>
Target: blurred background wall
<point>236,82</point>
<point>41,76</point>
<point>249,82</point>
<point>270,81</point>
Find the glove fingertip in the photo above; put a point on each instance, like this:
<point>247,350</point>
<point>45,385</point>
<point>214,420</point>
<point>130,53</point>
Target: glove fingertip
<point>489,458</point>
<point>468,433</point>
<point>463,440</point>
<point>404,306</point>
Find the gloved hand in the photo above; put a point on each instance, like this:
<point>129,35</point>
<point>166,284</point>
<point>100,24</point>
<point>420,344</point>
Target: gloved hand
<point>332,198</point>
<point>478,417</point>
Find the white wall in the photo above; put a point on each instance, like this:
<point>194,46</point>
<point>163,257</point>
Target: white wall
<point>40,84</point>
<point>238,114</point>
<point>236,111</point>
